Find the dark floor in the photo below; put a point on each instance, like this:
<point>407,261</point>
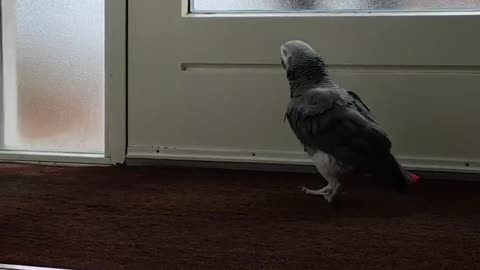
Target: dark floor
<point>153,218</point>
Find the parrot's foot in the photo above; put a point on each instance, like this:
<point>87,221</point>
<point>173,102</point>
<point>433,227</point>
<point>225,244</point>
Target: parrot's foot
<point>335,188</point>
<point>319,192</point>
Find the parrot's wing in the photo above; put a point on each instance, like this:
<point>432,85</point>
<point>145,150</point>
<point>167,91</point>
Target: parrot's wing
<point>361,106</point>
<point>330,121</point>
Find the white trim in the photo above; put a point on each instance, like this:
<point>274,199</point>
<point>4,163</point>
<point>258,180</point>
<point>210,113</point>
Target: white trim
<point>21,267</point>
<point>9,59</point>
<point>284,158</point>
<point>223,155</point>
<point>115,83</point>
<point>357,69</point>
<point>51,157</point>
<point>275,14</point>
<point>186,11</point>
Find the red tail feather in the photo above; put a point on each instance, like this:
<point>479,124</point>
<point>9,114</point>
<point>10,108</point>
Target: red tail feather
<point>414,178</point>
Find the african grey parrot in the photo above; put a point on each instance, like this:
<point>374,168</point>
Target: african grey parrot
<point>336,128</point>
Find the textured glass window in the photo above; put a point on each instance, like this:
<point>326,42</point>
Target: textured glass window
<point>53,70</point>
<point>330,5</point>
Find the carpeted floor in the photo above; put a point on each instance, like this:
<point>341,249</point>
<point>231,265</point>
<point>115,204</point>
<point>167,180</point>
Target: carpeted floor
<point>155,218</point>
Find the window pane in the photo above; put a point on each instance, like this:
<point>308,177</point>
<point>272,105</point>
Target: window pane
<point>53,75</point>
<point>330,5</point>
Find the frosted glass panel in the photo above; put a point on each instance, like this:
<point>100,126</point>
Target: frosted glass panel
<point>54,75</point>
<point>330,5</point>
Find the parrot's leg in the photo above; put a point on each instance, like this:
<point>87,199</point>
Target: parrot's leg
<point>326,166</point>
<point>328,192</point>
<point>331,190</point>
<point>335,184</point>
<point>319,161</point>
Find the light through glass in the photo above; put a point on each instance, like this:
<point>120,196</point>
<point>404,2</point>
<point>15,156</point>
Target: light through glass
<point>54,70</point>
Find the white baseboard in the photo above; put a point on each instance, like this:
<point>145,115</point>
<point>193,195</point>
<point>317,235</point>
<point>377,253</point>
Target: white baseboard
<point>285,158</point>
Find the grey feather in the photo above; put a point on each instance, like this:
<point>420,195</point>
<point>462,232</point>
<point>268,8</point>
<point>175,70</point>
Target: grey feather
<point>333,120</point>
<point>328,120</point>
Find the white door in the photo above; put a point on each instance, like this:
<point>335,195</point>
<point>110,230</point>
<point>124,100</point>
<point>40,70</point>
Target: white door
<point>63,80</point>
<point>205,81</point>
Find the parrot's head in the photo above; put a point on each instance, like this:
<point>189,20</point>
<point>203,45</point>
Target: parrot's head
<point>302,63</point>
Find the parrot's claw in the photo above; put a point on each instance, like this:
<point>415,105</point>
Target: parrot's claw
<point>320,192</point>
<point>333,192</point>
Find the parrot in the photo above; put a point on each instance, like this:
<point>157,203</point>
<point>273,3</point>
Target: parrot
<point>336,128</point>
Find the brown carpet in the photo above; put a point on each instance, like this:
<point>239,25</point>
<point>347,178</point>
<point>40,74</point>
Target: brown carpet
<point>155,218</point>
